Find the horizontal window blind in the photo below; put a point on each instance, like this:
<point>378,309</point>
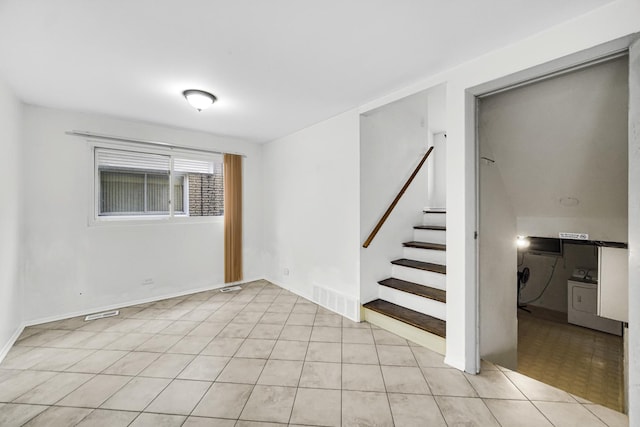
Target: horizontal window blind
<point>118,159</point>
<point>181,165</point>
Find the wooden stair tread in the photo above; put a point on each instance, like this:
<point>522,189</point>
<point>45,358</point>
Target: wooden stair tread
<point>420,265</point>
<point>431,227</point>
<point>415,289</point>
<point>410,317</point>
<point>425,245</point>
<point>436,211</point>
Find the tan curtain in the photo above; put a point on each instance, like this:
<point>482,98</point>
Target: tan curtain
<point>232,218</point>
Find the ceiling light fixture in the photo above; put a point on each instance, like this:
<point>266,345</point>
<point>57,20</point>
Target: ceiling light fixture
<point>199,99</point>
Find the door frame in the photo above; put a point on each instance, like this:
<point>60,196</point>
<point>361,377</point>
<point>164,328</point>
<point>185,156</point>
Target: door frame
<point>540,72</point>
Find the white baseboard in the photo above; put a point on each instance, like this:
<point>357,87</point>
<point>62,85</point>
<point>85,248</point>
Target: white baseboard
<point>92,310</point>
<point>12,340</point>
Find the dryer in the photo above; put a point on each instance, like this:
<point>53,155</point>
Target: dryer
<point>583,306</point>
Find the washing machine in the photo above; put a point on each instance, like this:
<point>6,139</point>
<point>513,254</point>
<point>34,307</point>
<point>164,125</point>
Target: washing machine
<point>583,306</point>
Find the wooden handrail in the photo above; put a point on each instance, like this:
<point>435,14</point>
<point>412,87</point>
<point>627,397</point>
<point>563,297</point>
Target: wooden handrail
<point>395,201</point>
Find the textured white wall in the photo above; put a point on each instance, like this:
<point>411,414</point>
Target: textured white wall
<point>74,267</point>
<point>10,218</point>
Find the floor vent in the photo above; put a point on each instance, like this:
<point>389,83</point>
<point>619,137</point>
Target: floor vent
<point>231,289</point>
<point>336,301</point>
<point>102,315</point>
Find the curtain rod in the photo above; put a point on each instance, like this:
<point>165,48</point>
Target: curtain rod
<point>145,142</point>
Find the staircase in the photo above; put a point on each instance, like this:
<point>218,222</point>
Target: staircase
<point>412,302</point>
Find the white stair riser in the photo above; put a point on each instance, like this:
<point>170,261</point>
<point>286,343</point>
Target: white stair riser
<point>434,219</point>
<point>413,302</point>
<point>421,277</point>
<point>427,255</point>
<point>430,236</point>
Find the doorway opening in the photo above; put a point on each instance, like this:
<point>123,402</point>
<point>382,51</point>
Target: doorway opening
<point>553,160</point>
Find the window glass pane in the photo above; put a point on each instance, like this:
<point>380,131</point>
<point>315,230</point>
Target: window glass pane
<point>157,193</point>
<point>178,194</point>
<point>205,187</point>
<point>121,193</point>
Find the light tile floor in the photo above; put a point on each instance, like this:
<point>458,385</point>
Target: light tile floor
<point>259,357</point>
<point>581,361</point>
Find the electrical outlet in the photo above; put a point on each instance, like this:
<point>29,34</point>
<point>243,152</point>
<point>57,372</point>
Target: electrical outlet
<point>147,282</point>
<point>285,271</point>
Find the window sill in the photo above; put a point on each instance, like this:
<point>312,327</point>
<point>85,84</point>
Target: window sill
<point>153,220</point>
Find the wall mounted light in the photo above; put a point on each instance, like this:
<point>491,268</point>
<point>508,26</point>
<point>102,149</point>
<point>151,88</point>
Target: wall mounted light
<point>199,99</point>
<point>522,242</point>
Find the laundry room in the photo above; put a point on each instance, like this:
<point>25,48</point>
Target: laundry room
<point>562,276</point>
<point>553,202</point>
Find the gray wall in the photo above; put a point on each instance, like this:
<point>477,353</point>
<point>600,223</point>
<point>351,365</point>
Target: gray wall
<point>497,274</point>
<point>564,137</point>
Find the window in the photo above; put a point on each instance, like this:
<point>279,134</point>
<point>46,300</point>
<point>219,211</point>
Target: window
<point>131,183</point>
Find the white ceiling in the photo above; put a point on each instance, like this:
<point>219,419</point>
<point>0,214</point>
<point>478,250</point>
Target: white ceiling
<point>564,137</point>
<point>276,66</point>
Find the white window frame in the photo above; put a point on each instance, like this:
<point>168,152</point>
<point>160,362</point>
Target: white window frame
<point>96,220</point>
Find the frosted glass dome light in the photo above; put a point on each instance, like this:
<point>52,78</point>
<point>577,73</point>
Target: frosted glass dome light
<point>199,99</point>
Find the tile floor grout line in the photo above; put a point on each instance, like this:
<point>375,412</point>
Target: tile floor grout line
<point>295,394</point>
<point>422,372</point>
<point>221,370</point>
<point>384,383</point>
<point>255,384</point>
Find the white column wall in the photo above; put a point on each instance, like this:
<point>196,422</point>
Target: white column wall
<point>11,225</point>
<point>633,396</point>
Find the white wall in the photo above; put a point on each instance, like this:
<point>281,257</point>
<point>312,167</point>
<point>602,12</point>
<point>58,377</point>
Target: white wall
<point>311,208</point>
<point>553,49</point>
<point>10,218</point>
<point>437,182</point>
<point>497,266</point>
<point>74,267</point>
<point>634,233</point>
<point>393,139</point>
